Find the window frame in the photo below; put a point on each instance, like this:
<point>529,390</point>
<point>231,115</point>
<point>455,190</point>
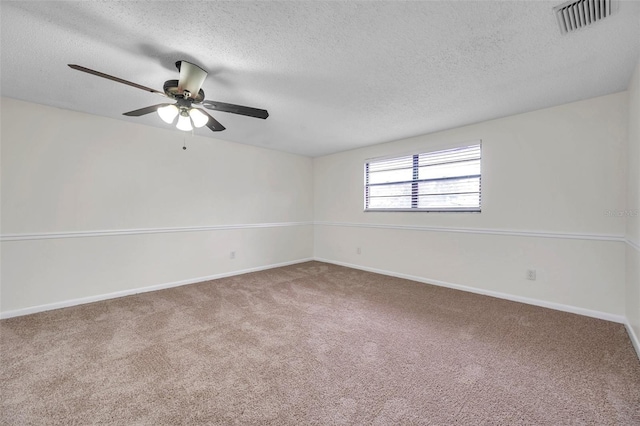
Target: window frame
<point>415,181</point>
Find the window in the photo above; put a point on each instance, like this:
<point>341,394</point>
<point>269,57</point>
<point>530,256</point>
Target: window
<point>447,180</point>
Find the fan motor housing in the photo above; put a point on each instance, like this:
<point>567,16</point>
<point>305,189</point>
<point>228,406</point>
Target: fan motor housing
<point>171,89</point>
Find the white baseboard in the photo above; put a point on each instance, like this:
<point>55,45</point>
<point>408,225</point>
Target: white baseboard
<point>529,301</point>
<point>129,292</point>
<point>536,302</point>
<point>634,338</point>
<point>551,305</point>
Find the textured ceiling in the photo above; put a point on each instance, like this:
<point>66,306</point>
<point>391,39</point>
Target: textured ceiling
<point>333,75</point>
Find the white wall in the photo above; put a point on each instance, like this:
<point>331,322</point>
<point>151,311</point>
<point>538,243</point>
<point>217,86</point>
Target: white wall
<point>93,207</point>
<point>548,179</point>
<point>633,208</point>
<point>128,189</point>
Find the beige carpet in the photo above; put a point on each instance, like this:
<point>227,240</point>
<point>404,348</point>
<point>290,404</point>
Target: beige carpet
<point>315,344</point>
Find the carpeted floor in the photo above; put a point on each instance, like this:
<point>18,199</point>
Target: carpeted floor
<point>315,344</point>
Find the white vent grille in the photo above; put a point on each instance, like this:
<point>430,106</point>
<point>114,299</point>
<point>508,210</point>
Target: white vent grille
<point>578,14</point>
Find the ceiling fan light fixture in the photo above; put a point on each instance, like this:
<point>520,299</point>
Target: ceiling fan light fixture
<point>168,113</point>
<point>180,91</point>
<point>199,119</point>
<point>184,123</point>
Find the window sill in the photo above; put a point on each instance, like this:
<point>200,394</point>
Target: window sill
<point>469,210</point>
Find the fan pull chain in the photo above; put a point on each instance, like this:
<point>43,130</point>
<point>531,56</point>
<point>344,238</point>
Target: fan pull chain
<point>184,140</point>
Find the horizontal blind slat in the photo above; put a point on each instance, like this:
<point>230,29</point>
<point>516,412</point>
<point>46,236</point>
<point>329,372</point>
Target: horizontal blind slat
<point>444,179</point>
<point>451,155</point>
<point>394,163</point>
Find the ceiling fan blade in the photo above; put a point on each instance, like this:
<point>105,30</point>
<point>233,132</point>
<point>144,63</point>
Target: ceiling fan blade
<point>191,77</point>
<point>119,80</point>
<point>236,109</point>
<point>143,111</point>
<point>212,124</point>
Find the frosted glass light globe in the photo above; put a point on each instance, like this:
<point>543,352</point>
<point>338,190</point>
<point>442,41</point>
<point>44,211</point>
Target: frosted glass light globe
<point>168,113</point>
<point>199,118</point>
<point>184,123</point>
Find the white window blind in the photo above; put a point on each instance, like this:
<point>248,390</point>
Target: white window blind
<point>447,180</point>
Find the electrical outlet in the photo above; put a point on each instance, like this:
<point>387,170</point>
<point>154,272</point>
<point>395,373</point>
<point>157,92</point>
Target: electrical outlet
<point>531,274</point>
<point>232,255</point>
<point>358,251</point>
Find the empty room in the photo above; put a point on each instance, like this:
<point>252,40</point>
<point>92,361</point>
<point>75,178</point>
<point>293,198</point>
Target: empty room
<point>320,212</point>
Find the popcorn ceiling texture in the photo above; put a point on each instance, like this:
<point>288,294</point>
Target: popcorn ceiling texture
<point>333,75</point>
<point>315,344</point>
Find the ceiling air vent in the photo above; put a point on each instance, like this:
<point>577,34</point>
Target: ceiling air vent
<point>577,14</point>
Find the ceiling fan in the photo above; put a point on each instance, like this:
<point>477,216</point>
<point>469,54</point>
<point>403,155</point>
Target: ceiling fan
<point>186,92</point>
